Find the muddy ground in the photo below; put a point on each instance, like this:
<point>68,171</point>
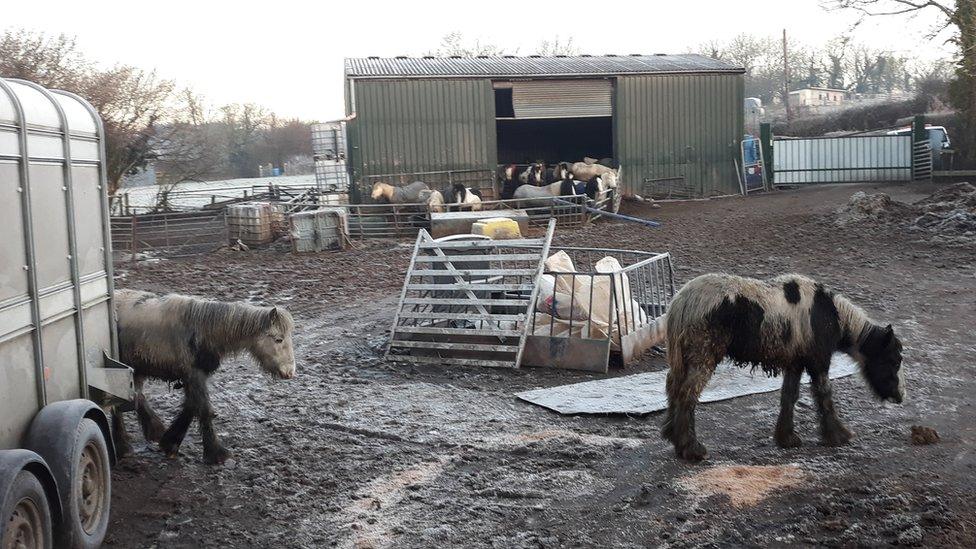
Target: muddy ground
<point>356,452</point>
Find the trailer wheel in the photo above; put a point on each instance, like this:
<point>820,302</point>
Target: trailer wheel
<point>86,503</point>
<point>26,515</point>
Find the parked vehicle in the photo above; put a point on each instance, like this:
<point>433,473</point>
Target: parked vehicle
<point>58,347</point>
<point>938,141</point>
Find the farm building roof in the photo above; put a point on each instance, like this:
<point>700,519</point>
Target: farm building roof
<point>533,65</point>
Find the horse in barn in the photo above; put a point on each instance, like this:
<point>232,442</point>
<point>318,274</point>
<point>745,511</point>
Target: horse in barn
<point>526,193</point>
<point>433,199</point>
<point>465,198</point>
<point>534,174</point>
<point>786,325</point>
<point>183,340</point>
<point>407,194</point>
<point>509,177</point>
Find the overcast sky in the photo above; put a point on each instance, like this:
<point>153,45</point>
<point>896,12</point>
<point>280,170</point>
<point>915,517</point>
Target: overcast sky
<point>287,55</point>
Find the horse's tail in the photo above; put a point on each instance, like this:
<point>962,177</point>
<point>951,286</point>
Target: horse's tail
<point>676,374</point>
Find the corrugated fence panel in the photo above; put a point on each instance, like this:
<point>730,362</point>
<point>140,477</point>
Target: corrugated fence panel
<point>842,159</point>
<point>683,127</point>
<point>562,98</point>
<point>409,126</point>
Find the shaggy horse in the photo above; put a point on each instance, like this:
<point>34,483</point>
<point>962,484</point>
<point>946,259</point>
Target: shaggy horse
<point>558,172</point>
<point>182,339</point>
<point>465,197</point>
<point>433,199</point>
<point>407,194</point>
<point>534,174</point>
<point>526,193</point>
<point>509,177</point>
<point>787,325</point>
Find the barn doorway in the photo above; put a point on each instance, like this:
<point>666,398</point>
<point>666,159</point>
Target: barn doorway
<point>553,120</point>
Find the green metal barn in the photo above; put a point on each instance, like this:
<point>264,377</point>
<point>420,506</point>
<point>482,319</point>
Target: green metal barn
<point>674,122</point>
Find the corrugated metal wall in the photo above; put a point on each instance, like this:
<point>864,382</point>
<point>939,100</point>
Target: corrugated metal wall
<point>409,126</point>
<point>680,125</point>
<point>562,98</point>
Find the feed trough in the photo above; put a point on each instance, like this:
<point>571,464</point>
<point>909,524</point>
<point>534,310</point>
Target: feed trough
<point>508,303</point>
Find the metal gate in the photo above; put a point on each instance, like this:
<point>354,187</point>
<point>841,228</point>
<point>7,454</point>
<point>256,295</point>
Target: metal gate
<point>843,159</point>
<point>467,301</point>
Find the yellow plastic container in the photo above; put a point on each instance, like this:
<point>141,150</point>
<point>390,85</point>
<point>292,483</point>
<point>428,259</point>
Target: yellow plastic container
<point>497,228</point>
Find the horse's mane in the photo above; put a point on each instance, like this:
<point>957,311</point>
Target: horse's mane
<point>852,319</point>
<point>228,326</point>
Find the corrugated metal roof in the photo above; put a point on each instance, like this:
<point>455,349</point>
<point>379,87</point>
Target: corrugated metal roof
<point>516,66</point>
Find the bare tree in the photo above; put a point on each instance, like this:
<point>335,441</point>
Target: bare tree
<point>557,47</point>
<point>130,101</point>
<point>960,17</point>
<point>454,44</point>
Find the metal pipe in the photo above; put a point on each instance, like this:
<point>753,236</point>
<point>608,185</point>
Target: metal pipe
<point>106,219</point>
<point>69,203</point>
<point>29,251</point>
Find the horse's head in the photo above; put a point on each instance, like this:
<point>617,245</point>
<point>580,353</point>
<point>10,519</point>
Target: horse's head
<point>563,172</point>
<point>881,364</point>
<point>538,174</point>
<point>458,192</point>
<point>273,346</point>
<point>382,190</point>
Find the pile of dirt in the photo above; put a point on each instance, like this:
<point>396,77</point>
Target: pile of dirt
<point>924,435</point>
<point>878,207</point>
<point>948,214</point>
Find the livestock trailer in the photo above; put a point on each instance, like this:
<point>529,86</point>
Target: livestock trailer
<point>58,349</point>
<point>673,122</point>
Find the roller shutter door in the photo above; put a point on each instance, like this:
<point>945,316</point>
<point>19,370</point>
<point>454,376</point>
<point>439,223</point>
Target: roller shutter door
<point>562,98</point>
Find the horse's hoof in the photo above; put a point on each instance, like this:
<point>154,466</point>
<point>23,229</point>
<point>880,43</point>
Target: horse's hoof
<point>694,452</point>
<point>172,451</point>
<point>216,457</point>
<point>837,436</point>
<point>122,449</point>
<point>791,440</point>
<point>155,431</point>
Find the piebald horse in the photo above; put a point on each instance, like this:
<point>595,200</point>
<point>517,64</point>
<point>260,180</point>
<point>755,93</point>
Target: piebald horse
<point>466,198</point>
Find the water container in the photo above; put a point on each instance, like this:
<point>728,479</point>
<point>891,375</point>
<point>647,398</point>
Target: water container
<point>250,223</point>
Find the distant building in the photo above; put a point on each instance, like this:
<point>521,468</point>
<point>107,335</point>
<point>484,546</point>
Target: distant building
<point>817,97</point>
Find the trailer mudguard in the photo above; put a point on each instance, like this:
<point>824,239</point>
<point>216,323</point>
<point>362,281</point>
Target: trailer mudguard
<point>58,421</point>
<point>13,462</point>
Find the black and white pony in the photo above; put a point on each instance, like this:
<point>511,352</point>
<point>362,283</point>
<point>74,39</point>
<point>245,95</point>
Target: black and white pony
<point>182,340</point>
<point>534,174</point>
<point>559,172</point>
<point>465,198</point>
<point>787,325</point>
<point>509,177</point>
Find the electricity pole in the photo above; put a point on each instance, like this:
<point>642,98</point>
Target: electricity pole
<point>786,80</point>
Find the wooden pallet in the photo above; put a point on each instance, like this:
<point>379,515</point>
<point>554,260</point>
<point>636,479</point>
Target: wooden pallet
<point>467,301</point>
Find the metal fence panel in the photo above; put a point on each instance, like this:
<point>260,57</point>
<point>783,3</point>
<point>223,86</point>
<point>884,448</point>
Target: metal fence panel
<point>173,233</point>
<point>842,159</point>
